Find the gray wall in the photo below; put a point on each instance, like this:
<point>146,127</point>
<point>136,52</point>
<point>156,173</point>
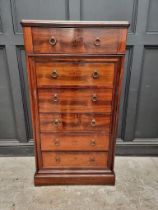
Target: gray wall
<point>138,125</point>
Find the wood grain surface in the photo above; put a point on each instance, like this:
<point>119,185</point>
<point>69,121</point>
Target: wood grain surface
<point>70,160</point>
<point>73,142</point>
<point>74,122</point>
<point>76,40</point>
<point>77,100</point>
<point>81,72</point>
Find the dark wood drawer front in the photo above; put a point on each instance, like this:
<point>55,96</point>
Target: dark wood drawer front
<point>75,73</point>
<point>75,159</point>
<point>75,100</point>
<point>75,122</point>
<point>76,40</point>
<point>68,142</point>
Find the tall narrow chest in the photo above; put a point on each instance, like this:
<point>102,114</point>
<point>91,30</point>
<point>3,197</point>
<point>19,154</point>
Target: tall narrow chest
<point>74,69</point>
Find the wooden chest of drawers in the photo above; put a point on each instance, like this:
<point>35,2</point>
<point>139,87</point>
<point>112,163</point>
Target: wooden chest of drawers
<point>75,71</point>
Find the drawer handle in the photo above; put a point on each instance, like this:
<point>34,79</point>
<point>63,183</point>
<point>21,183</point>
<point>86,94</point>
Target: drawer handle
<point>54,74</point>
<point>56,122</point>
<point>52,41</point>
<point>57,159</point>
<point>97,42</point>
<point>57,142</point>
<point>93,142</point>
<point>91,159</point>
<point>75,42</point>
<point>95,74</point>
<point>55,98</point>
<point>93,123</point>
<point>94,98</point>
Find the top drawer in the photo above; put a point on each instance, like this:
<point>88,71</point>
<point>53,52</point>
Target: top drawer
<point>78,40</point>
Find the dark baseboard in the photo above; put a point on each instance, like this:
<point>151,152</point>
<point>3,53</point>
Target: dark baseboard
<point>14,148</point>
<point>135,150</point>
<point>138,147</point>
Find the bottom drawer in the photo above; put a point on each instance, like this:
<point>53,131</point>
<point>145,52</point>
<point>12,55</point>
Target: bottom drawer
<point>82,160</point>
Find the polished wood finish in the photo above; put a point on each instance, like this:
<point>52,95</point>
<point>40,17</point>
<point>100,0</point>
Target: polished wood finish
<point>73,179</point>
<point>74,24</point>
<point>75,100</point>
<point>81,142</point>
<point>75,122</point>
<point>59,72</point>
<point>74,160</point>
<point>75,40</point>
<point>75,69</point>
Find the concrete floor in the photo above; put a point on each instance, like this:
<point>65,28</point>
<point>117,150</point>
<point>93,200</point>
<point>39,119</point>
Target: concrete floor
<point>136,188</point>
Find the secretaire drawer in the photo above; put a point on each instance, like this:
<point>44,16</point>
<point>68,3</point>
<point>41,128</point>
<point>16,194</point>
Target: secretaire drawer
<point>76,40</point>
<point>74,142</point>
<point>75,122</point>
<point>75,159</point>
<point>75,100</point>
<point>60,72</point>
